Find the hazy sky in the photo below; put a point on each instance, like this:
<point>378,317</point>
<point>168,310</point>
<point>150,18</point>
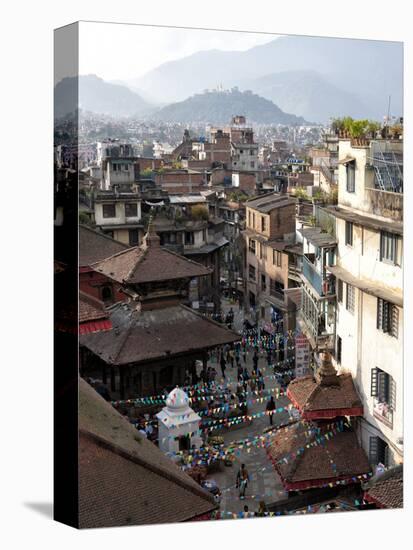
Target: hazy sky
<point>125,52</point>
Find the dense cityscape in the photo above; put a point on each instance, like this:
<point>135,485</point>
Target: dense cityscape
<point>240,314</point>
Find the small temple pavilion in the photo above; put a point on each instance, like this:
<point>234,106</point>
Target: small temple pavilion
<point>155,336</point>
<point>178,424</point>
<point>320,449</point>
<point>326,395</point>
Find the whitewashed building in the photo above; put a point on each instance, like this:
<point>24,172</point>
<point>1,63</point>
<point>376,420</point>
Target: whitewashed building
<point>369,289</point>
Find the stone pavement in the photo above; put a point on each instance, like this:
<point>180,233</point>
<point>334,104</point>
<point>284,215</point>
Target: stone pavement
<point>264,482</point>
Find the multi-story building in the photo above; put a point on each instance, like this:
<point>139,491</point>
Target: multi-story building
<point>119,216</point>
<point>270,260</point>
<point>369,285</point>
<point>316,317</point>
<point>117,161</point>
<point>199,237</point>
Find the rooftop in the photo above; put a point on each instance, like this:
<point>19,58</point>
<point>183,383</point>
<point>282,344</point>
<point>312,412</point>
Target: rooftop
<point>317,237</point>
<point>328,396</point>
<point>148,263</point>
<point>156,334</point>
<point>269,201</point>
<point>124,479</point>
<point>311,464</point>
<point>386,490</point>
<point>95,246</point>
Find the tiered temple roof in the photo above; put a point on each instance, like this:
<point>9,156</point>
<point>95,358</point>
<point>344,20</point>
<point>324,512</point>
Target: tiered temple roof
<point>149,263</point>
<point>328,395</point>
<point>312,460</point>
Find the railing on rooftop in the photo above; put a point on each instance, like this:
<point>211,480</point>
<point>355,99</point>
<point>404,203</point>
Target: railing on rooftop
<point>388,168</point>
<point>325,220</point>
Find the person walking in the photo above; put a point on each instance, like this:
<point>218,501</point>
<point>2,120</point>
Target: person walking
<point>231,357</point>
<point>223,365</point>
<point>242,481</point>
<point>262,509</point>
<point>260,380</point>
<point>255,359</point>
<point>271,408</point>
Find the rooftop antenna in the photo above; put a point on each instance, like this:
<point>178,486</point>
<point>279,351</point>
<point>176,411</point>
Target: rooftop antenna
<point>388,109</point>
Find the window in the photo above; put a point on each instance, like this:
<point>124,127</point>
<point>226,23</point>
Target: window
<point>133,237</point>
<point>106,293</point>
<point>251,246</point>
<point>388,247</point>
<point>109,210</point>
<point>277,289</point>
<point>339,291</point>
<point>378,451</point>
<point>189,237</point>
<point>252,164</point>
<point>350,298</point>
<point>251,272</point>
<point>263,282</point>
<point>387,317</point>
<point>277,258</point>
<point>253,220</point>
<point>349,234</point>
<point>383,389</point>
<point>351,177</point>
<point>263,223</point>
<point>339,349</point>
<point>131,210</point>
<point>249,218</point>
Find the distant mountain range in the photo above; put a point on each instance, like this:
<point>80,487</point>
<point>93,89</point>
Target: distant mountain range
<point>98,96</point>
<point>217,107</point>
<point>309,76</point>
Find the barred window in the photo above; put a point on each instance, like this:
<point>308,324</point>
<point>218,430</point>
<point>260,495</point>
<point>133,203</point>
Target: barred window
<point>388,317</point>
<point>350,298</point>
<point>388,247</point>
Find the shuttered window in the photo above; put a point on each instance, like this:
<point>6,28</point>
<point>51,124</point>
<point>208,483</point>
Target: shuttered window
<point>388,317</point>
<point>378,451</point>
<point>383,386</point>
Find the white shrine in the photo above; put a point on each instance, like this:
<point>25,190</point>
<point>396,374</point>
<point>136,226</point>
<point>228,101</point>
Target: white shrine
<point>178,424</point>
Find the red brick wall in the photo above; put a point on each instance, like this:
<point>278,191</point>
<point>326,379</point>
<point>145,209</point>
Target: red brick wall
<point>92,282</point>
<point>282,221</point>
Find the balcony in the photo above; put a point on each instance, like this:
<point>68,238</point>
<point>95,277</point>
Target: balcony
<point>324,286</point>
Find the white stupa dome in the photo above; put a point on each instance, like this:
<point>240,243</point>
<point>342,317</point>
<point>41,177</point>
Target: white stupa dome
<point>177,399</point>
